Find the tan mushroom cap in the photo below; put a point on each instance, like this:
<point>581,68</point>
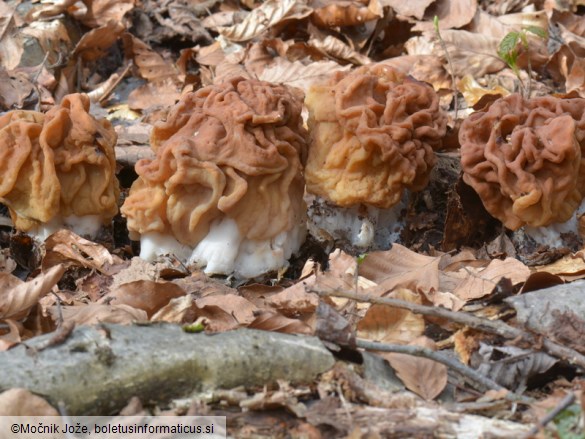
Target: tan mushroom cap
<point>58,164</point>
<point>373,132</point>
<point>233,150</point>
<point>525,159</point>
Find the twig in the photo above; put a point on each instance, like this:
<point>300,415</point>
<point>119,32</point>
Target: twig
<point>452,71</point>
<point>419,351</point>
<point>489,326</point>
<point>562,405</point>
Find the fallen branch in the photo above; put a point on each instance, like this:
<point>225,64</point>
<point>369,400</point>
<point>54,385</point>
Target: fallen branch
<point>481,324</point>
<point>562,405</point>
<point>474,377</point>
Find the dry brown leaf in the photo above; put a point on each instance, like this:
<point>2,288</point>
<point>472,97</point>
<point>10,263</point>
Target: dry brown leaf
<point>401,267</point>
<point>338,49</point>
<point>225,312</point>
<point>570,267</point>
<point>425,377</point>
<point>94,313</point>
<point>410,8</point>
<point>21,402</point>
<point>299,75</point>
<point>466,342</point>
<point>451,14</point>
<point>101,12</point>
<point>67,248</point>
<point>386,324</point>
<point>480,282</point>
<point>94,44</point>
<point>179,310</point>
<point>344,13</point>
<point>16,297</point>
<point>154,94</point>
<point>258,20</point>
<point>10,339</point>
<point>151,65</point>
<point>472,92</point>
<point>471,53</point>
<point>294,301</point>
<point>273,321</point>
<point>144,294</point>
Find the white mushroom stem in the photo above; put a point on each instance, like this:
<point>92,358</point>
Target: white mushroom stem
<point>363,227</point>
<point>224,251</point>
<point>551,235</point>
<point>87,226</point>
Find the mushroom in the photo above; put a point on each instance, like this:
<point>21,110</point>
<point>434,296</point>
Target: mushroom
<point>373,135</point>
<point>225,189</point>
<point>525,158</point>
<point>58,169</point>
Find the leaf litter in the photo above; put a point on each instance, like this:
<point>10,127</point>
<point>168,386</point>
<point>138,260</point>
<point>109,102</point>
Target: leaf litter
<point>144,56</point>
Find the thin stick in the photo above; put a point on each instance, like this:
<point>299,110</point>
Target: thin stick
<point>452,71</point>
<point>474,377</point>
<point>562,405</point>
<point>489,326</point>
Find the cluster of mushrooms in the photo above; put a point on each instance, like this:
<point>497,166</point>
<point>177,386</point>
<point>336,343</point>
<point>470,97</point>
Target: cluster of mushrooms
<point>234,166</point>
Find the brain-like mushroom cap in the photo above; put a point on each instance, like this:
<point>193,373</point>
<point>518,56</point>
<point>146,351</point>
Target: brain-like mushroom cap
<point>373,132</point>
<point>526,159</point>
<point>233,150</point>
<point>57,164</point>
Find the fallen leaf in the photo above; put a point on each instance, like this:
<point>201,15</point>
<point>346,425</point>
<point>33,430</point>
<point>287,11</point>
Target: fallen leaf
<point>292,302</point>
<point>179,310</point>
<point>66,248</point>
<point>425,377</point>
<point>273,321</point>
<point>258,20</point>
<point>94,44</point>
<point>21,402</point>
<point>450,13</point>
<point>386,324</point>
<point>17,297</point>
<point>480,282</point>
<point>144,294</point>
<point>10,339</point>
<point>94,313</point>
<point>225,312</point>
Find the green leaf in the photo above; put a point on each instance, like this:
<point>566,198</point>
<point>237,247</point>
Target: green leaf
<point>538,31</point>
<point>361,258</point>
<point>508,44</point>
<point>436,23</point>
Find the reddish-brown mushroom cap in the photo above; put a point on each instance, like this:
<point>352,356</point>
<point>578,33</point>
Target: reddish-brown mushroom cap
<point>526,159</point>
<point>233,150</point>
<point>373,132</point>
<point>59,164</point>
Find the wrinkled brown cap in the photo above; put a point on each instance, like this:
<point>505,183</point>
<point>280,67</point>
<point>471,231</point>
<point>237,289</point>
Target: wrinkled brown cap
<point>526,159</point>
<point>231,150</point>
<point>373,132</point>
<point>60,163</point>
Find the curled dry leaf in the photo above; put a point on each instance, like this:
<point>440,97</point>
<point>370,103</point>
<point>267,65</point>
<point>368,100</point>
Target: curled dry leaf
<point>16,297</point>
<point>338,49</point>
<point>411,8</point>
<point>345,13</point>
<point>66,248</point>
<point>425,377</point>
<point>151,65</point>
<point>299,75</point>
<point>21,402</point>
<point>145,295</point>
<point>94,44</point>
<point>178,310</point>
<point>451,14</point>
<point>258,20</point>
<point>478,283</point>
<point>273,321</point>
<point>101,12</point>
<point>294,301</point>
<point>386,324</point>
<point>225,312</point>
<point>401,267</point>
<point>94,313</point>
<point>472,92</point>
<point>9,339</point>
